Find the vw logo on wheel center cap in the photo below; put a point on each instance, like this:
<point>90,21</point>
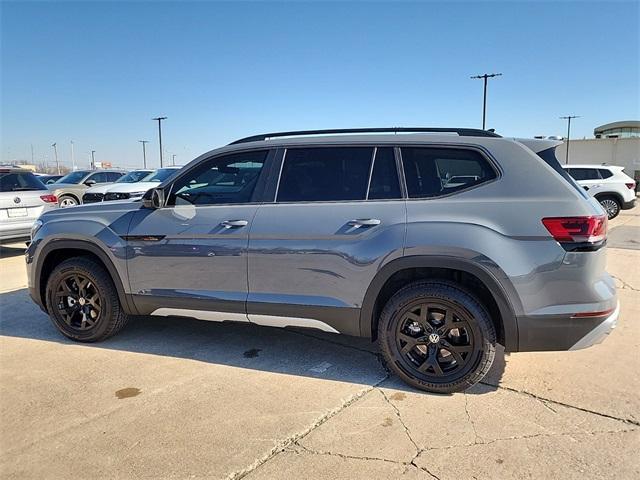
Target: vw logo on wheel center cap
<point>434,338</point>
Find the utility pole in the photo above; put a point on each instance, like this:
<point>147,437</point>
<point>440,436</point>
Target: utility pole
<point>73,159</point>
<point>144,152</point>
<point>568,119</point>
<point>55,153</point>
<point>93,160</point>
<point>484,77</point>
<point>173,159</point>
<point>159,119</point>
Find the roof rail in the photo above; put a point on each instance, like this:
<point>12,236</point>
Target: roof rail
<point>463,132</point>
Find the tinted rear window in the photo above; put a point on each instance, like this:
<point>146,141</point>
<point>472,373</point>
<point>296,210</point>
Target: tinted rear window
<point>604,173</point>
<point>20,182</point>
<point>384,177</point>
<point>584,173</point>
<point>549,157</point>
<point>325,174</point>
<point>433,172</point>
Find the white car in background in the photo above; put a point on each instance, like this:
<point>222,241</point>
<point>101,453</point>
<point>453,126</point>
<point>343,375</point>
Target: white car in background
<point>614,189</point>
<point>135,191</point>
<point>96,194</point>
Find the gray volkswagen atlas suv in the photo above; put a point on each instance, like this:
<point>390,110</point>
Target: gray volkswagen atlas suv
<point>436,243</point>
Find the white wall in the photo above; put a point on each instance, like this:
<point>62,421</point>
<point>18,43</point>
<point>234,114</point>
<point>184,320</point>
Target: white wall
<point>624,152</point>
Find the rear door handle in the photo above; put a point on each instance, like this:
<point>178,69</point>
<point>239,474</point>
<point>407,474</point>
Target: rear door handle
<point>364,222</point>
<point>234,223</point>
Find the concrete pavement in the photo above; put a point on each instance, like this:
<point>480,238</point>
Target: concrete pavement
<point>172,398</point>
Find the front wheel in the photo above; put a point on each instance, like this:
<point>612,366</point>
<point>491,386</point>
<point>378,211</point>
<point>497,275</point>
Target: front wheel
<point>67,201</point>
<point>82,301</point>
<point>437,337</point>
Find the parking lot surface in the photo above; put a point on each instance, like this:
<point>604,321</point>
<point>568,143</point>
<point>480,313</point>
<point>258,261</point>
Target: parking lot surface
<point>175,398</point>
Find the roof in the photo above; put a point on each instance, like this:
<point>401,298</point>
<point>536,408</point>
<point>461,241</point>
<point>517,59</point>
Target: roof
<point>616,125</point>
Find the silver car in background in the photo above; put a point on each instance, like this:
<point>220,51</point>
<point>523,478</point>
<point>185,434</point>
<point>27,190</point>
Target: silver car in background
<point>23,198</point>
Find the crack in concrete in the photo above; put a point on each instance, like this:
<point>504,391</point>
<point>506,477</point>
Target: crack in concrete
<point>296,437</point>
<point>471,422</point>
<point>556,402</point>
<point>534,435</point>
<point>625,285</point>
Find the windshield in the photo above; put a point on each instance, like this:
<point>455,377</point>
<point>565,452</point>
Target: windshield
<point>133,177</point>
<point>161,175</point>
<point>74,177</point>
<point>20,182</point>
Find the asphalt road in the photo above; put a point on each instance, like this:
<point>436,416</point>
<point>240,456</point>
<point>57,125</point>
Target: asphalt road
<point>171,398</point>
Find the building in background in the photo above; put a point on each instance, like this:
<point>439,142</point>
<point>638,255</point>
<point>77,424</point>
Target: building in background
<point>616,143</point>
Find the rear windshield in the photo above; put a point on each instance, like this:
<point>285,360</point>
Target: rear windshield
<point>20,182</point>
<point>549,157</point>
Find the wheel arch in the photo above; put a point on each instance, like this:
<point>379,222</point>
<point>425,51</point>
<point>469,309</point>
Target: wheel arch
<point>56,251</point>
<point>403,271</point>
<point>72,195</point>
<point>615,195</point>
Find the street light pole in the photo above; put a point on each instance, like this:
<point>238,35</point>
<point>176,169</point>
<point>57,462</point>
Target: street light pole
<point>55,153</point>
<point>568,119</point>
<point>484,77</point>
<point>173,159</point>
<point>93,160</point>
<point>159,119</point>
<point>144,152</point>
<point>73,161</point>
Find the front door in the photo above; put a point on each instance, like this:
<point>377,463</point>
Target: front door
<point>189,257</point>
<point>338,216</point>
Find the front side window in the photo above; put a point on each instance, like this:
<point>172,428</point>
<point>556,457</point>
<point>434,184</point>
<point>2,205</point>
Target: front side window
<point>433,172</point>
<point>325,174</point>
<point>221,180</point>
<point>113,176</point>
<point>100,177</point>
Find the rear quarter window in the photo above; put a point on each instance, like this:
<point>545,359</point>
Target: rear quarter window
<point>604,173</point>
<point>434,172</point>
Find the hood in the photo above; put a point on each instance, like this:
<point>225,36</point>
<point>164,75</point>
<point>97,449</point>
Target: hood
<point>133,187</point>
<point>102,188</point>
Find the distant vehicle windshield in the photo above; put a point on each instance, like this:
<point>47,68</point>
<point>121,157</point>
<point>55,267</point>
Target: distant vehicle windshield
<point>133,177</point>
<point>74,177</point>
<point>161,175</point>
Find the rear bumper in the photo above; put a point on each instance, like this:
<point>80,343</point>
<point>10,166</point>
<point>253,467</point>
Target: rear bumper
<point>16,232</point>
<point>628,205</point>
<point>554,333</point>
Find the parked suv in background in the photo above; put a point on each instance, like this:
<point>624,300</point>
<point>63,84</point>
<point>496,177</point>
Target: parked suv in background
<point>23,198</point>
<point>96,194</point>
<point>437,246</point>
<point>135,191</point>
<point>70,188</point>
<point>614,189</point>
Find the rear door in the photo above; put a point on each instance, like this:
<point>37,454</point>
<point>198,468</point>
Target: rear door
<point>336,216</point>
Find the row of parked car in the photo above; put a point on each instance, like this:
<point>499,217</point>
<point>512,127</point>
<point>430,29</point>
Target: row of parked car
<point>24,196</point>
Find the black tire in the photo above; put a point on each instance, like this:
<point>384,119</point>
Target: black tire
<point>611,205</point>
<point>66,201</point>
<point>72,309</point>
<point>464,350</point>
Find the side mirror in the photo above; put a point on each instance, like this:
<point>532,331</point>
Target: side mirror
<point>154,198</point>
<point>90,183</point>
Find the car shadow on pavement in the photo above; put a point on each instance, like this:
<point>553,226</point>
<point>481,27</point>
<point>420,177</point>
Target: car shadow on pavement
<point>11,251</point>
<point>301,352</point>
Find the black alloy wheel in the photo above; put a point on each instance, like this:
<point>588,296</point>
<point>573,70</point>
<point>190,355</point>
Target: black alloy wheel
<point>437,336</point>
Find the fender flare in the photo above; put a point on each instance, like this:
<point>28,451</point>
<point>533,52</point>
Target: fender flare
<point>90,247</point>
<point>502,292</point>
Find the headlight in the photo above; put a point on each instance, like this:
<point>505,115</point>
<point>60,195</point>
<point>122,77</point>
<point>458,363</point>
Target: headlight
<point>35,227</point>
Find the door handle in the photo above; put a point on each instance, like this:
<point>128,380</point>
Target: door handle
<point>364,222</point>
<point>234,223</point>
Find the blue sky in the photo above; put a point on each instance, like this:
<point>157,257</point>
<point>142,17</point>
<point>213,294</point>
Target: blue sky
<point>96,73</point>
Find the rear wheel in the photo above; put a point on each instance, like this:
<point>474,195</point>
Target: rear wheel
<point>82,301</point>
<point>437,337</point>
<point>611,205</point>
<point>67,201</point>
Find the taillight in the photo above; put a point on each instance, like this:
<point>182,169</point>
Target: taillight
<point>631,186</point>
<point>49,198</point>
<point>591,229</point>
